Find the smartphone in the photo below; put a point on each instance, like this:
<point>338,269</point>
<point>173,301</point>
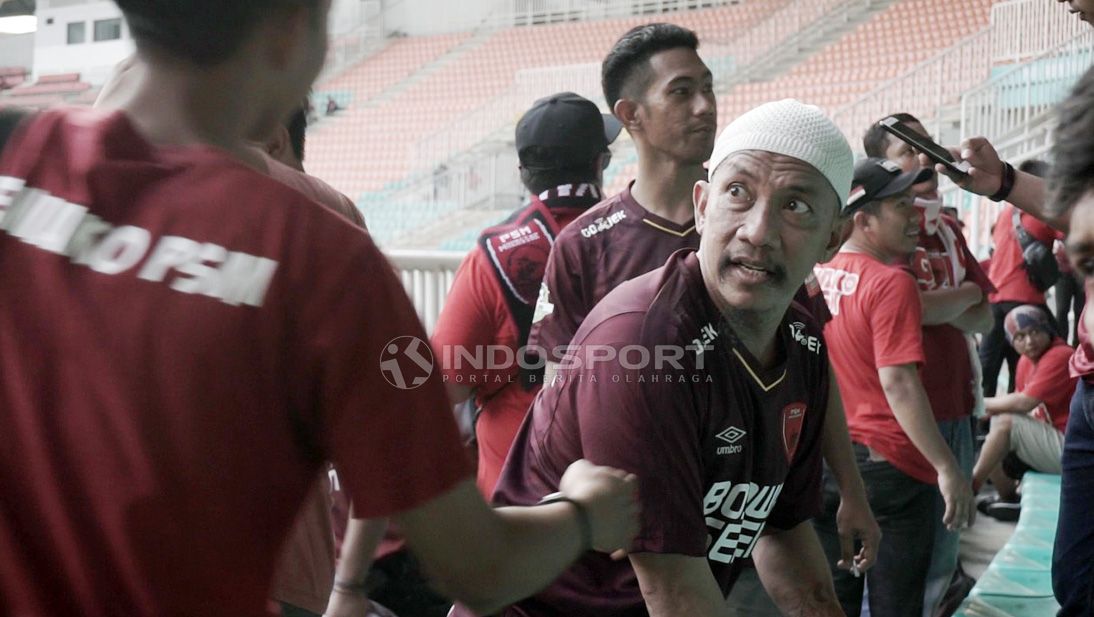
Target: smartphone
<point>935,152</point>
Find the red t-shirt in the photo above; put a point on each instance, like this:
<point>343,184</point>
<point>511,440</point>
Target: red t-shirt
<point>192,340</point>
<point>1048,381</point>
<point>876,322</point>
<point>1008,272</point>
<point>723,447</point>
<point>948,374</point>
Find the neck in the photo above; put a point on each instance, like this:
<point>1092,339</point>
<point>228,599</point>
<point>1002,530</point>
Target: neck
<point>174,105</point>
<point>664,186</point>
<point>861,245</point>
<point>757,332</point>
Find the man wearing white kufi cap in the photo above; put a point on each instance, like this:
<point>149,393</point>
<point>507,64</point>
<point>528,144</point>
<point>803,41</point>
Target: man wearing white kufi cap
<point>703,379</point>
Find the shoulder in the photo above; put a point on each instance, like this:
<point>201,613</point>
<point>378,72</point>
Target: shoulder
<point>314,189</point>
<point>593,225</point>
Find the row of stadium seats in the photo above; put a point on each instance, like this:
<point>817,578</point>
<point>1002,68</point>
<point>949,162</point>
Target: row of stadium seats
<point>1018,582</point>
<point>48,91</point>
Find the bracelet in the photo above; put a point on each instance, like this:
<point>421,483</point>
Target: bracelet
<point>350,588</point>
<point>583,521</point>
<point>1007,185</point>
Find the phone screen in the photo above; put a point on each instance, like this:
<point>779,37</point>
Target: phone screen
<point>925,145</point>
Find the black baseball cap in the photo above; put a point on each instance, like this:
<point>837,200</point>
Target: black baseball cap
<point>877,178</point>
<point>568,130</point>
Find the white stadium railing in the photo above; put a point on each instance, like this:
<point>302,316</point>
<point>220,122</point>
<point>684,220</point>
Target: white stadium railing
<point>530,12</point>
<point>427,277</point>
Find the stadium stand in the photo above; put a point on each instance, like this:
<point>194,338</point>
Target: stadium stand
<point>1018,583</point>
<point>48,91</point>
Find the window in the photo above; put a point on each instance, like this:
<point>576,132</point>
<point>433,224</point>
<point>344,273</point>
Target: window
<point>108,29</point>
<point>77,33</point>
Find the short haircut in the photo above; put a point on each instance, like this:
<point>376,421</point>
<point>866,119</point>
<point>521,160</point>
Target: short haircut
<point>1037,167</point>
<point>627,65</point>
<point>539,179</point>
<point>1071,174</point>
<point>876,139</point>
<point>297,125</point>
<point>203,32</point>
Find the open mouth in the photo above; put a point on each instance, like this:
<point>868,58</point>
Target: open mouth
<point>750,271</point>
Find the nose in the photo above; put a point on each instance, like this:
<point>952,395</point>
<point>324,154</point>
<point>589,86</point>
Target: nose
<point>761,226</point>
<point>706,104</point>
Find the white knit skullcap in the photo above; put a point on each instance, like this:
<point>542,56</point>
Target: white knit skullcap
<point>793,129</point>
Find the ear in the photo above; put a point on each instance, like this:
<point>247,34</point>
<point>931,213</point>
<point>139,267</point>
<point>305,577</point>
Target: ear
<point>841,231</point>
<point>700,195</point>
<point>627,112</point>
<point>278,146</point>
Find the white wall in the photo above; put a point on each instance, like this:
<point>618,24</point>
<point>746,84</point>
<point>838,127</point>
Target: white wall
<point>94,61</point>
<point>408,16</point>
<point>17,50</point>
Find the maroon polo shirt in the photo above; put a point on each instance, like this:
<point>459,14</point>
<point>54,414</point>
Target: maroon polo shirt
<point>722,446</point>
<point>612,242</point>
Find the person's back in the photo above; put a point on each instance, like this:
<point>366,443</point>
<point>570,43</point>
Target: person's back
<point>161,350</point>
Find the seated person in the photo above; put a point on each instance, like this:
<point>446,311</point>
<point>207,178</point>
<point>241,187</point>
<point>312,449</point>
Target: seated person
<point>1027,426</point>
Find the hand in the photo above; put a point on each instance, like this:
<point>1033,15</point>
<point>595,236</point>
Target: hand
<point>957,493</point>
<point>855,521</point>
<point>610,496</point>
<point>986,175</point>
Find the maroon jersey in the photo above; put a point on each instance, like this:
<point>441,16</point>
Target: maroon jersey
<point>723,446</point>
<point>612,242</point>
<point>183,343</point>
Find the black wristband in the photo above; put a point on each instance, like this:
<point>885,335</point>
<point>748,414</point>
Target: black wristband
<point>583,521</point>
<point>1007,185</point>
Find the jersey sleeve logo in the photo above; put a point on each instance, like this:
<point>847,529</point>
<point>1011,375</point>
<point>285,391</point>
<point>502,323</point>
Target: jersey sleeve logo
<point>793,419</point>
<point>835,284</point>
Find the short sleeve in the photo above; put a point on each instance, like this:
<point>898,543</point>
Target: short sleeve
<point>470,318</point>
<point>1051,375</point>
<point>1039,230</point>
<point>649,429</point>
<point>562,304</point>
<point>362,359</point>
<point>896,320</point>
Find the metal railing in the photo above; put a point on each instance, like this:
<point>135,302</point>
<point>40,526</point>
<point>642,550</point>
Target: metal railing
<point>1028,28</point>
<point>777,29</point>
<point>427,276</point>
<point>533,12</point>
<point>1006,105</point>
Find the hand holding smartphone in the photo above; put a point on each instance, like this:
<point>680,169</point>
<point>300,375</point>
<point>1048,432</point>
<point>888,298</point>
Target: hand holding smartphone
<point>929,148</point>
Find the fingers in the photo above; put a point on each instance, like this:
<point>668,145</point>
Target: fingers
<point>619,555</point>
<point>867,555</point>
<point>846,549</point>
<point>950,515</point>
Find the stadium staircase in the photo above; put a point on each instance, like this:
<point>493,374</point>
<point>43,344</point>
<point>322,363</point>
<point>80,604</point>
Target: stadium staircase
<point>1018,582</point>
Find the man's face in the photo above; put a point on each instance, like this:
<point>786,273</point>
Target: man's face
<point>678,110</point>
<point>903,154</point>
<point>302,51</point>
<point>1083,8</point>
<point>1031,342</point>
<point>894,230</point>
<point>765,220</point>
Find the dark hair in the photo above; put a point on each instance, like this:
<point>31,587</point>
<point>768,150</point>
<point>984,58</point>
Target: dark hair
<point>204,32</point>
<point>876,139</point>
<point>629,57</point>
<point>297,125</point>
<point>1036,167</point>
<point>539,179</point>
<point>1071,174</point>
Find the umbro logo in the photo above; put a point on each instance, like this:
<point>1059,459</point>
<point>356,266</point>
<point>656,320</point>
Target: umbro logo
<point>731,436</point>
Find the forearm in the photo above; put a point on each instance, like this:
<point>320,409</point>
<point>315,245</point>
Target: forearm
<point>906,397</point>
<point>678,586</point>
<point>836,444</point>
<point>1015,402</point>
<point>359,545</point>
<point>976,319</point>
<point>498,556</point>
<point>942,306</point>
<point>793,569</point>
<point>1030,195</point>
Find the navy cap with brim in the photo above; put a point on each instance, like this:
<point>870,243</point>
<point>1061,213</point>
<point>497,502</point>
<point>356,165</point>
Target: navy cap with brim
<point>905,181</point>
